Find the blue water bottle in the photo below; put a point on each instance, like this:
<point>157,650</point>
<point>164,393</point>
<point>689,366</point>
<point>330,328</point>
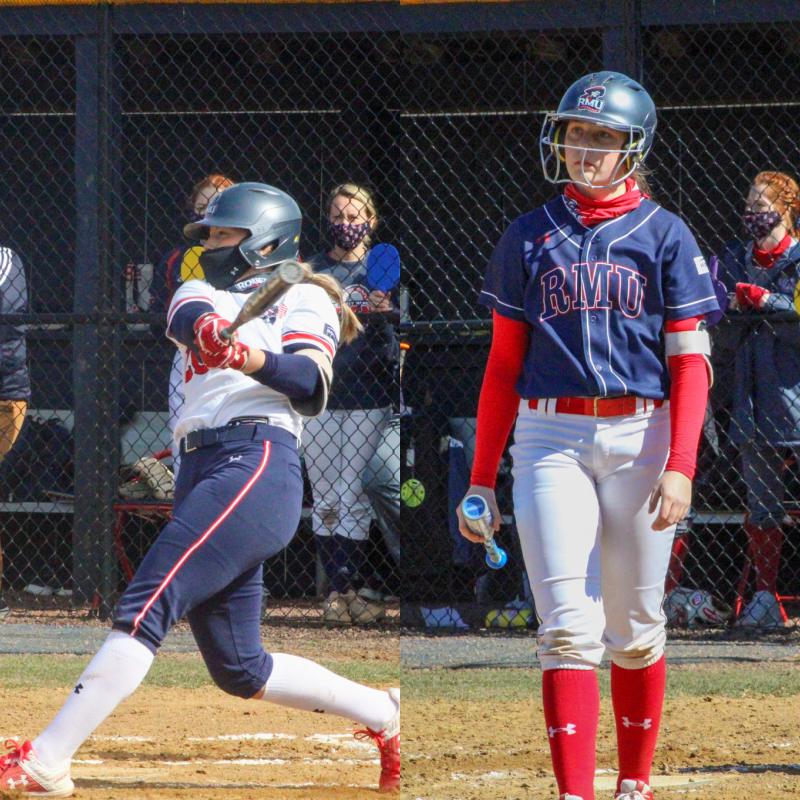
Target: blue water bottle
<point>479,520</point>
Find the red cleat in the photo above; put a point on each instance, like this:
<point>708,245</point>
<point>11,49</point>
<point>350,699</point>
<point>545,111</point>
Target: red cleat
<point>388,741</point>
<point>21,771</point>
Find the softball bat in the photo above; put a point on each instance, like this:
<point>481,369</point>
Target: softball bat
<point>280,281</point>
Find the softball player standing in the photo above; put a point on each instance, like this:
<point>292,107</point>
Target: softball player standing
<point>237,500</point>
<point>599,354</point>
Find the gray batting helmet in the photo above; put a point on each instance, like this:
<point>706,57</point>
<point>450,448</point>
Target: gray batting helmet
<point>269,214</point>
<point>610,99</point>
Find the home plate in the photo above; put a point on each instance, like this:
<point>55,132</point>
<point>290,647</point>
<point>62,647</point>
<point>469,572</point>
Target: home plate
<point>609,782</point>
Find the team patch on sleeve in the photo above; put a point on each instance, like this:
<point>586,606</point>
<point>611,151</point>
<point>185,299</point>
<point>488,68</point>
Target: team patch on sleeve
<point>700,263</point>
<point>293,341</point>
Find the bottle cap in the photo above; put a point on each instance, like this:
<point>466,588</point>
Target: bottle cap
<point>474,507</point>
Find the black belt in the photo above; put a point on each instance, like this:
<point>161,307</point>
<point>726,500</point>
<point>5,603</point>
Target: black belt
<point>237,430</point>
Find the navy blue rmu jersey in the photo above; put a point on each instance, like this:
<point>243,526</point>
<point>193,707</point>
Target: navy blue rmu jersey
<point>596,299</point>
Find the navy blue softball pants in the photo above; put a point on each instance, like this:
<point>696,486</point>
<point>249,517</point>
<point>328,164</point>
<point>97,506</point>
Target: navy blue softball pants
<point>237,503</point>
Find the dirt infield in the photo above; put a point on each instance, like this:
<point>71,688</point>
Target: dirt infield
<point>165,743</point>
<point>203,744</point>
<point>200,743</point>
<point>714,747</point>
<point>180,743</point>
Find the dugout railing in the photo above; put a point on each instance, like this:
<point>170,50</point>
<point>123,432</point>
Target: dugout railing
<point>111,113</point>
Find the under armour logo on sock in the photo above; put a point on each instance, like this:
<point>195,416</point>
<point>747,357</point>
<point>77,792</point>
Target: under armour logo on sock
<point>569,730</point>
<point>647,724</point>
<point>78,688</point>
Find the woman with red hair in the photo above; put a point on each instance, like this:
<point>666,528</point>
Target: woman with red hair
<point>763,275</point>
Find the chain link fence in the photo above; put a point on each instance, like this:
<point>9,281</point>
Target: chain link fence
<point>120,121</point>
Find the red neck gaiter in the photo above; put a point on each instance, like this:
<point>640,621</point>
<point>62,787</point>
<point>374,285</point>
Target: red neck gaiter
<point>594,211</point>
<point>767,258</point>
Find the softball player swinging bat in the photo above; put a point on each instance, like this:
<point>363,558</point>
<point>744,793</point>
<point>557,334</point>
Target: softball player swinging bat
<point>237,500</point>
<point>599,353</point>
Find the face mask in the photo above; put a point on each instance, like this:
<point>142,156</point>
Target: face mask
<point>348,236</point>
<point>195,217</point>
<point>761,223</point>
<point>223,267</point>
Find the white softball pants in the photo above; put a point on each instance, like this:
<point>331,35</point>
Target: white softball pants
<point>581,491</point>
<point>337,446</point>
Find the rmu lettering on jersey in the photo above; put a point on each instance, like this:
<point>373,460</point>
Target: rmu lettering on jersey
<point>596,299</point>
<point>599,285</point>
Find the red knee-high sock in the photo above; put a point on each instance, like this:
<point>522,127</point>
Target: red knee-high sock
<point>571,711</point>
<point>638,697</point>
<point>765,544</point>
<point>680,548</point>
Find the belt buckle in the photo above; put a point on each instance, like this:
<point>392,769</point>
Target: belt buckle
<point>596,411</point>
<point>186,448</point>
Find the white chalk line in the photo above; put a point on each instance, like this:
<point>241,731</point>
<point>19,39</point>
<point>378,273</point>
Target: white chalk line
<point>235,737</point>
<point>335,740</point>
<point>137,779</point>
<point>122,739</point>
<point>250,762</point>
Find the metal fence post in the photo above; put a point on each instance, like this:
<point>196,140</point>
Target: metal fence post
<point>95,377</point>
<point>622,37</point>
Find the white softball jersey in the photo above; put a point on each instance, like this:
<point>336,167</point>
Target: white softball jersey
<point>304,318</point>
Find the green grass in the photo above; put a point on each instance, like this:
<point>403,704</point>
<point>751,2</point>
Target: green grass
<point>502,685</point>
<point>477,685</point>
<point>185,672</point>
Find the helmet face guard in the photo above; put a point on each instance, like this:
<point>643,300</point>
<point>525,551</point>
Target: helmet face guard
<point>553,152</point>
<point>269,215</point>
<point>611,100</point>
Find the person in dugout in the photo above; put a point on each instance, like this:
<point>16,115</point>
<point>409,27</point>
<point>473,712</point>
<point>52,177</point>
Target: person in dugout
<point>15,390</point>
<point>182,264</point>
<point>340,443</point>
<point>762,272</point>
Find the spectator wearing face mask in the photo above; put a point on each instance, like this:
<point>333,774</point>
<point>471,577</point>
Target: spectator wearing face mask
<point>762,273</point>
<point>340,443</point>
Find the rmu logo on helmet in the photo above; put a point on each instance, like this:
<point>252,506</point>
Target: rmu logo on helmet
<point>592,99</point>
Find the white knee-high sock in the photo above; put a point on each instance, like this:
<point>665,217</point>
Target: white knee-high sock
<point>299,683</point>
<point>112,675</point>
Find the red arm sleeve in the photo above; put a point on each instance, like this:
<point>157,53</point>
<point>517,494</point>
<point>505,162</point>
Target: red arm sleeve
<point>687,403</point>
<point>499,402</point>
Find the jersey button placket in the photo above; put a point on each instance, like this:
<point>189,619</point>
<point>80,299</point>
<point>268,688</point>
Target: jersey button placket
<point>586,315</point>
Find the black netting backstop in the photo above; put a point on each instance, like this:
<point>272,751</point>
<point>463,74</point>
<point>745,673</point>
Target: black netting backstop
<point>113,114</point>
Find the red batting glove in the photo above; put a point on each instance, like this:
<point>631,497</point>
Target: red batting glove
<point>208,334</point>
<point>752,296</point>
<point>235,356</point>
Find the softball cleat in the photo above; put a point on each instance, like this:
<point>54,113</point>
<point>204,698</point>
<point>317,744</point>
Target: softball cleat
<point>634,790</point>
<point>763,611</point>
<point>21,771</point>
<point>365,607</point>
<point>388,741</point>
<point>570,797</point>
<point>334,609</point>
